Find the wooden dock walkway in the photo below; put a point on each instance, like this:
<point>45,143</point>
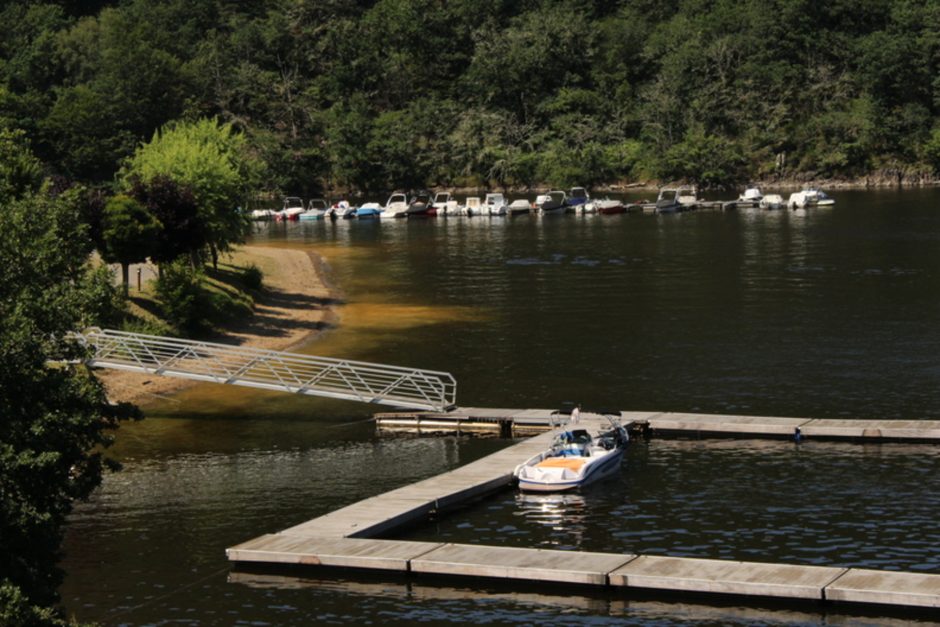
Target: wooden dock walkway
<point>529,421</point>
<point>347,538</point>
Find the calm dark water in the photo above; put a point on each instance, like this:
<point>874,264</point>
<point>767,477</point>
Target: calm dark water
<point>824,313</point>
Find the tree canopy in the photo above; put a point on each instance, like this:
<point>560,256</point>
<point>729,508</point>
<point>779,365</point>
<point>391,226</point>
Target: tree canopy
<point>211,161</point>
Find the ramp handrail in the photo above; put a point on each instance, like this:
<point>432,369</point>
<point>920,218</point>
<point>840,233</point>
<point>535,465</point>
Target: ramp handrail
<point>397,386</point>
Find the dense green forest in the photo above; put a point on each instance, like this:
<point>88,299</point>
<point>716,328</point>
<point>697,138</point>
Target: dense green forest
<point>373,95</point>
<point>369,95</point>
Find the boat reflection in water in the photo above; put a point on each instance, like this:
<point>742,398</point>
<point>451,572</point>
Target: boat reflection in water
<point>565,513</point>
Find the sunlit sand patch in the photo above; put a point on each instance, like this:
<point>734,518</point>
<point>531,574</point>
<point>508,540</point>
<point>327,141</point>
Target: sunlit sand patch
<point>397,316</point>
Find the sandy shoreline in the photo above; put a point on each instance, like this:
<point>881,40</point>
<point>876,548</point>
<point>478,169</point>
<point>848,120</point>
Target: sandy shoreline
<point>295,304</point>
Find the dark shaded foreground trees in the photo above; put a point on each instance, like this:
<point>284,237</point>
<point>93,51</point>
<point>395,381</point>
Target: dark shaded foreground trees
<point>55,418</point>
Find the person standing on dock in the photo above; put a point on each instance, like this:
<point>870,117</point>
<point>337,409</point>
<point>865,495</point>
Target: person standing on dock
<point>576,413</point>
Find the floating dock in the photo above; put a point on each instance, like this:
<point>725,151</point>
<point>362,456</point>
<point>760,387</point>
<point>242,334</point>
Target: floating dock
<point>348,538</point>
<point>520,422</point>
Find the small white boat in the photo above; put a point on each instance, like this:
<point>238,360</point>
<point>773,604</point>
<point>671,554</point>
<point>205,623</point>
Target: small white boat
<point>262,214</point>
<point>395,207</point>
<point>419,204</point>
<point>552,203</point>
<point>343,209</point>
<point>823,199</point>
<point>688,197</point>
<point>473,206</point>
<point>368,211</point>
<point>293,207</point>
<point>577,198</point>
<point>668,200</point>
<point>609,206</point>
<point>317,209</point>
<point>495,205</point>
<point>519,207</point>
<point>575,459</point>
<point>751,194</point>
<point>809,197</point>
<point>772,201</point>
<point>587,207</point>
<point>443,205</point>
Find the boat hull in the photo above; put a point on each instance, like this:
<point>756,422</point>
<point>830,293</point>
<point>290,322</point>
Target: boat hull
<point>610,208</point>
<point>604,467</point>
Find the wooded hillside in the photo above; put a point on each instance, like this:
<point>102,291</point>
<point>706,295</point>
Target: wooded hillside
<point>410,93</point>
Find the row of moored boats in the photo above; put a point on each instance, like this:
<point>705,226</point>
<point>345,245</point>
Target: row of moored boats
<point>672,199</point>
<point>401,205</point>
<point>577,200</point>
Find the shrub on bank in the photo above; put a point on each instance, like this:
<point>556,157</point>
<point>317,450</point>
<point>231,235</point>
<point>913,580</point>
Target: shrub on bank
<point>252,277</point>
<point>194,303</point>
<point>183,299</point>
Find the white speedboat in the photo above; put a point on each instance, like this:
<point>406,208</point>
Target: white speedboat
<point>473,206</point>
<point>368,210</point>
<point>772,201</point>
<point>519,207</point>
<point>419,204</point>
<point>395,207</point>
<point>577,198</point>
<point>608,206</point>
<point>668,200</point>
<point>343,209</point>
<point>495,205</point>
<point>576,458</point>
<point>809,197</point>
<point>752,194</point>
<point>317,209</point>
<point>262,214</point>
<point>293,207</point>
<point>823,199</point>
<point>552,203</point>
<point>688,197</point>
<point>443,205</point>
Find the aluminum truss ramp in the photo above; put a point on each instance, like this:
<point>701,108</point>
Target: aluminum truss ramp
<point>271,370</point>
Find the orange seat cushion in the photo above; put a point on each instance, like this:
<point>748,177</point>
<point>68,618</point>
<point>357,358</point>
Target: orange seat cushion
<point>571,463</point>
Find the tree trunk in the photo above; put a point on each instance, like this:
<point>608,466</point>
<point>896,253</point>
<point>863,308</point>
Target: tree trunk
<point>125,269</point>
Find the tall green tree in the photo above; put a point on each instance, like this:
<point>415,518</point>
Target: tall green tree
<point>214,162</point>
<point>56,421</point>
<point>129,232</point>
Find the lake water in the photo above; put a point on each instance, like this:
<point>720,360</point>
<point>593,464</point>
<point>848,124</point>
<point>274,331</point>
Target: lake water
<point>819,313</point>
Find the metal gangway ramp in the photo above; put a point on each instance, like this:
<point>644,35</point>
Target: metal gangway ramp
<point>410,388</point>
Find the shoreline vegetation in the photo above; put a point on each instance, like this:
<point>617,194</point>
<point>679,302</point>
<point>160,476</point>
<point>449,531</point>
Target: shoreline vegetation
<point>292,307</point>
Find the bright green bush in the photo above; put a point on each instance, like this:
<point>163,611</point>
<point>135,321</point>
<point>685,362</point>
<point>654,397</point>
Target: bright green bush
<point>184,300</point>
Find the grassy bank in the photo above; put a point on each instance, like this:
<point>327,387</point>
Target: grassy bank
<point>292,305</point>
